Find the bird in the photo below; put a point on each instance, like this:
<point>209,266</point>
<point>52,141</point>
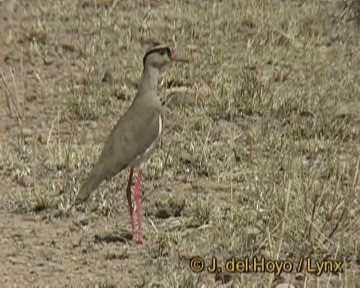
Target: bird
<point>135,136</point>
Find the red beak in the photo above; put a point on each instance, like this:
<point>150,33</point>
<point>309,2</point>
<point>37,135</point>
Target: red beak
<point>173,57</point>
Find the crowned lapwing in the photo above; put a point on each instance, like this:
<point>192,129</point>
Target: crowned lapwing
<point>135,136</point>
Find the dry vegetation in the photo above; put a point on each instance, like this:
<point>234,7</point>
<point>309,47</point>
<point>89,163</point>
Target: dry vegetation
<point>260,155</point>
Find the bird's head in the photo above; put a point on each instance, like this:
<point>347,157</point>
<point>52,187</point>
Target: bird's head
<point>159,56</point>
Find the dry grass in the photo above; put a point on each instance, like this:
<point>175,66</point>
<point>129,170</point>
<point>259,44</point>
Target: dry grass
<point>260,155</point>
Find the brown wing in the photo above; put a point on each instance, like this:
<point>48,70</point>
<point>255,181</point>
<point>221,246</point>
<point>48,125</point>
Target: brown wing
<point>125,143</point>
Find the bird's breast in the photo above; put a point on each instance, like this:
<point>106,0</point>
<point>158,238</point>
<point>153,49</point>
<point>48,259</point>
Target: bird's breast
<point>145,156</point>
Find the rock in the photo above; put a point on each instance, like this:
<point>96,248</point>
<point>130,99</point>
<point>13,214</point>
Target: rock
<point>26,181</point>
<point>204,91</point>
<point>48,60</point>
<point>25,132</point>
<point>41,139</point>
<point>107,78</point>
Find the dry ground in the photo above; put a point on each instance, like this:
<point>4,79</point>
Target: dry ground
<point>260,155</point>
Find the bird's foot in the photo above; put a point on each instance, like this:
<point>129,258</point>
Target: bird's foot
<point>139,238</point>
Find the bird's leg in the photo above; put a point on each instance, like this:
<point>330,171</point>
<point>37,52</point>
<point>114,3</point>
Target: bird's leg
<point>138,204</point>
<point>128,196</point>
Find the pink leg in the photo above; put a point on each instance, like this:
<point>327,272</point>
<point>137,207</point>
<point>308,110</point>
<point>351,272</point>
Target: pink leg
<point>138,205</point>
<point>128,196</point>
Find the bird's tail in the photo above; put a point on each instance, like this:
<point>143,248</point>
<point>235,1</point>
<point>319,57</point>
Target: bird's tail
<point>90,184</point>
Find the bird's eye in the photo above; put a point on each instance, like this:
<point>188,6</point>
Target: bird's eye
<point>162,52</point>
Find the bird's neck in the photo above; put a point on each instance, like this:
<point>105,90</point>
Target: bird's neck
<point>149,81</point>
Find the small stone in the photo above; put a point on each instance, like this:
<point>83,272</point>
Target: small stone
<point>48,61</point>
<point>26,181</point>
<point>18,261</point>
<point>93,125</point>
<point>265,253</point>
<point>30,97</point>
<point>107,78</point>
<point>41,139</point>
<point>26,132</point>
<point>84,221</point>
<point>204,90</point>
